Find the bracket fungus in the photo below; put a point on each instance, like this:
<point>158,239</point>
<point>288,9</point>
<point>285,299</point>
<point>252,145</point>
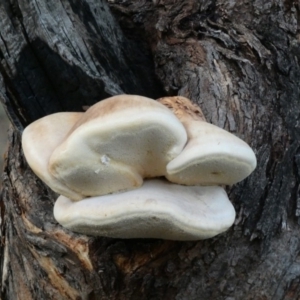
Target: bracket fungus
<point>107,164</point>
<point>40,139</point>
<point>158,209</point>
<point>113,145</point>
<point>212,155</point>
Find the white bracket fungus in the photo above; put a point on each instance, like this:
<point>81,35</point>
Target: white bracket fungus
<point>40,139</point>
<point>212,155</point>
<point>158,209</point>
<point>98,160</point>
<point>109,148</point>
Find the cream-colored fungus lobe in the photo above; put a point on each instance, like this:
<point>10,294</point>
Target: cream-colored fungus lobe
<point>40,139</point>
<point>158,209</point>
<point>110,148</point>
<point>212,155</point>
<point>118,142</point>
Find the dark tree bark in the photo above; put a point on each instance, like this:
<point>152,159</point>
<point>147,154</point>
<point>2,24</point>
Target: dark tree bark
<point>239,60</point>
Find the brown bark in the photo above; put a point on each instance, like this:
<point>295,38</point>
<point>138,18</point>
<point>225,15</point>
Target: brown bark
<point>238,60</point>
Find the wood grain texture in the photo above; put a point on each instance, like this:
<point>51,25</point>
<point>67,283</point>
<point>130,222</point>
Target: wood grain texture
<point>237,59</point>
<point>60,56</point>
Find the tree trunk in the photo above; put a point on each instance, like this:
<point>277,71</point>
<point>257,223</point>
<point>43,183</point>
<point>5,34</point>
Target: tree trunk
<point>239,60</point>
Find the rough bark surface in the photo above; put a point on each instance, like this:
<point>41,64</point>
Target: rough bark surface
<point>239,60</point>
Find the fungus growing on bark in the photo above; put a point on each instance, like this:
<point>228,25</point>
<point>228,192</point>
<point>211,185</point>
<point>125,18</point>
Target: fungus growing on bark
<point>110,148</point>
<point>158,209</point>
<point>212,155</point>
<point>97,161</point>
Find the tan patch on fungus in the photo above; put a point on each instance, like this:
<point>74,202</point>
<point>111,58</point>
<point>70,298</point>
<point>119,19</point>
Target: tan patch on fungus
<point>182,106</point>
<point>110,105</point>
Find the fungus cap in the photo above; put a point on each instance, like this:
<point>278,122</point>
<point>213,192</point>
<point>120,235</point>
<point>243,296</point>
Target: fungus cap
<point>115,144</point>
<point>40,139</point>
<point>158,209</point>
<point>212,155</point>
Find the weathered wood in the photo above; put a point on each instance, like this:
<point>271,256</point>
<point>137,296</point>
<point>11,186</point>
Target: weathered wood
<point>60,56</point>
<point>238,60</point>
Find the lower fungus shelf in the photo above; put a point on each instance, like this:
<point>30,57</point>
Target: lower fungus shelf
<point>158,209</point>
